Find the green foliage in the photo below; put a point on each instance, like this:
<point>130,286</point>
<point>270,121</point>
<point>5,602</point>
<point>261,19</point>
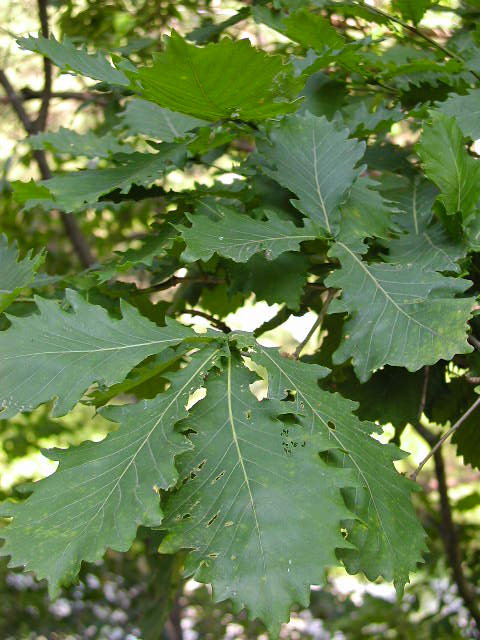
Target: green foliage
<point>70,59</point>
<point>66,352</point>
<point>15,274</point>
<point>412,318</point>
<point>331,171</point>
<point>448,165</point>
<point>240,236</point>
<point>314,159</point>
<point>223,80</point>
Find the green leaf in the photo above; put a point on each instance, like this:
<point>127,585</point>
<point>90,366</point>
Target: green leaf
<point>466,111</point>
<point>70,59</point>
<point>366,214</point>
<point>147,118</point>
<point>15,274</point>
<point>79,144</point>
<point>315,160</point>
<point>238,236</point>
<point>222,80</point>
<point>59,354</point>
<point>32,194</point>
<point>102,491</point>
<point>448,165</point>
<point>399,314</point>
<point>424,243</point>
<point>259,508</point>
<point>312,31</point>
<point>389,538</point>
<point>74,190</point>
<point>276,281</point>
<point>412,10</point>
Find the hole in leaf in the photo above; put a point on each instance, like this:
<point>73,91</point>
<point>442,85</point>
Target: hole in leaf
<point>212,520</point>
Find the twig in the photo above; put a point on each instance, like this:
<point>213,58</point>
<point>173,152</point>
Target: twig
<point>70,224</point>
<point>174,281</point>
<point>317,324</point>
<point>447,526</point>
<point>418,33</point>
<point>41,120</point>
<point>447,435</point>
<point>29,94</point>
<point>474,342</point>
<point>203,314</point>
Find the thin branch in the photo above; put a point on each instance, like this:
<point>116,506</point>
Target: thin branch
<point>317,324</point>
<point>174,281</point>
<point>16,103</point>
<point>70,224</point>
<point>474,342</point>
<point>420,34</point>
<point>447,435</point>
<point>203,314</point>
<point>29,94</point>
<point>42,117</point>
<point>447,526</point>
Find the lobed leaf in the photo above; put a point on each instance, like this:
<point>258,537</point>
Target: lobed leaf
<point>147,118</point>
<point>238,236</point>
<point>388,537</point>
<point>400,315</point>
<point>103,491</point>
<point>259,509</point>
<point>59,354</point>
<point>447,164</point>
<point>70,59</point>
<point>228,79</point>
<point>15,274</point>
<point>315,160</point>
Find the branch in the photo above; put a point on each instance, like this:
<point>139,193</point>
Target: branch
<point>70,224</point>
<point>447,526</point>
<point>41,120</point>
<point>418,33</point>
<point>174,281</point>
<point>203,314</point>
<point>317,324</point>
<point>447,435</point>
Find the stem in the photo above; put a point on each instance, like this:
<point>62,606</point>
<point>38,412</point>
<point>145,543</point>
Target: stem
<point>447,526</point>
<point>418,33</point>
<point>316,325</point>
<point>447,435</point>
<point>203,314</point>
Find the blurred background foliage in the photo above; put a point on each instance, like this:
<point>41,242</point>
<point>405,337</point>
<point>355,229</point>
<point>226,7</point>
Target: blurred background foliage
<point>125,597</point>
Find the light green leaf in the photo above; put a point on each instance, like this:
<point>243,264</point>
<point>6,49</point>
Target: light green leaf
<point>147,118</point>
<point>74,190</point>
<point>32,194</point>
<point>466,111</point>
<point>59,354</point>
<point>412,10</point>
<point>70,59</point>
<point>15,273</point>
<point>389,538</point>
<point>399,314</point>
<point>227,79</point>
<point>102,491</point>
<point>260,510</point>
<point>79,144</point>
<point>238,236</point>
<point>312,31</point>
<point>447,164</point>
<point>315,160</point>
